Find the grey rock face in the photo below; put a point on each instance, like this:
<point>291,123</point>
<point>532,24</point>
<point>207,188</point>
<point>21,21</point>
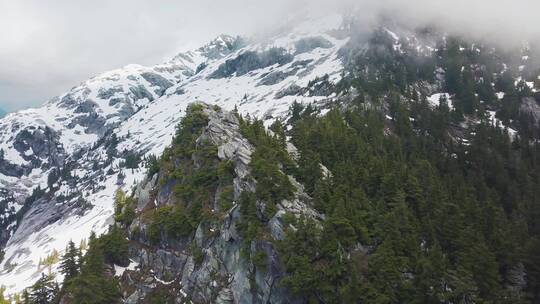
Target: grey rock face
<point>40,148</point>
<point>7,210</point>
<point>530,106</point>
<point>276,77</point>
<point>87,106</point>
<point>158,81</point>
<point>250,60</point>
<point>143,192</point>
<point>41,214</point>
<point>517,280</point>
<point>10,169</point>
<point>41,143</point>
<point>291,91</point>
<point>309,44</point>
<point>92,122</point>
<point>110,92</point>
<point>141,92</point>
<point>220,47</point>
<point>68,101</point>
<point>224,274</point>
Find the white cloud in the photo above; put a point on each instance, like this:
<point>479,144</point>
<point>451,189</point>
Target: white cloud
<point>46,47</point>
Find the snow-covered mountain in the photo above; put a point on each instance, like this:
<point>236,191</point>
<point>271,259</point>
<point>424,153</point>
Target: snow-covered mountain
<point>33,142</point>
<point>62,164</point>
<point>85,144</point>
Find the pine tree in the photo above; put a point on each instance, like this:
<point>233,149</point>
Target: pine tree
<point>92,285</point>
<point>115,247</point>
<point>309,170</point>
<point>69,266</point>
<point>26,296</point>
<point>44,291</point>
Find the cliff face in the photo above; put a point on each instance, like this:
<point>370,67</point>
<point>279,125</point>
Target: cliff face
<point>215,262</point>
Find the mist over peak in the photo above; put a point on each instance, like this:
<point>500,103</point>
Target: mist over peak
<point>46,47</point>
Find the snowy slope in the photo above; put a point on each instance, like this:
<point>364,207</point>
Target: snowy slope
<point>35,141</point>
<point>135,110</point>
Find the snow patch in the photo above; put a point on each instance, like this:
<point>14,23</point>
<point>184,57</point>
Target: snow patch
<point>435,99</point>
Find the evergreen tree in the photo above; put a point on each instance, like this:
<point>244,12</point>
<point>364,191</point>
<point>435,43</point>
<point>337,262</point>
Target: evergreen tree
<point>115,247</point>
<point>70,263</point>
<point>25,296</point>
<point>92,286</point>
<point>44,291</point>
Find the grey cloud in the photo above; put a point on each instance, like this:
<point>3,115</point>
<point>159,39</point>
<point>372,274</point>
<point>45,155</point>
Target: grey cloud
<point>46,47</point>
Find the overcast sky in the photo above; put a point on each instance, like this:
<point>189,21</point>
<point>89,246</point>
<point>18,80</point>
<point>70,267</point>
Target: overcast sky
<point>46,47</point>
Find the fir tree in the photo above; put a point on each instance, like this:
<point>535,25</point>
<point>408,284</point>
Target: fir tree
<point>91,285</point>
<point>70,263</point>
<point>44,291</point>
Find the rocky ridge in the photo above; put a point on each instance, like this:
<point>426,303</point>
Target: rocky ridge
<point>224,274</point>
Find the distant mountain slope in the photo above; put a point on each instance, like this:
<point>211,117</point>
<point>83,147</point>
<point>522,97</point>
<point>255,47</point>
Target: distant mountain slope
<point>85,144</point>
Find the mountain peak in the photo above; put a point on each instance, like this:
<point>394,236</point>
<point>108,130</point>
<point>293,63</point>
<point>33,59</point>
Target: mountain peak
<point>129,114</point>
<point>217,48</point>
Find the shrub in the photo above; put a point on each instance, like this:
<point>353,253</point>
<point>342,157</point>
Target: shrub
<point>259,259</point>
<point>172,221</point>
<point>152,165</point>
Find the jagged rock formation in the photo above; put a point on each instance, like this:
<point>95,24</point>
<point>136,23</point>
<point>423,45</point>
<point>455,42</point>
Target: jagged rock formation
<point>220,272</point>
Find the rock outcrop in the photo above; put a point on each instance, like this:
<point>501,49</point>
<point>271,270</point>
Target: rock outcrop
<point>531,107</point>
<point>220,273</point>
